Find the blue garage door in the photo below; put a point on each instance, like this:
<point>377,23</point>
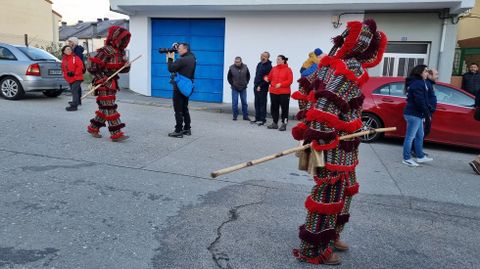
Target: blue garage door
<point>206,38</point>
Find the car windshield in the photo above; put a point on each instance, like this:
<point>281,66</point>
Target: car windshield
<point>37,54</point>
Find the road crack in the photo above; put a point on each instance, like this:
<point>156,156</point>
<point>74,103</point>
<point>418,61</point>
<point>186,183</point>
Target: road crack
<point>221,259</point>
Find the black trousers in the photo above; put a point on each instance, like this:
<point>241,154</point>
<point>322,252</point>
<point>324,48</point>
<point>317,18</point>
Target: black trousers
<point>277,101</point>
<point>260,104</point>
<point>76,89</point>
<point>180,106</point>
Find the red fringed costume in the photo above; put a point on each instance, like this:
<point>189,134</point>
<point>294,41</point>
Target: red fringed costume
<point>330,103</point>
<point>107,61</point>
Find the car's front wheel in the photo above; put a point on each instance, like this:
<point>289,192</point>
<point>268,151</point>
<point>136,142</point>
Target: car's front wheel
<point>52,93</point>
<point>371,121</point>
<point>11,89</point>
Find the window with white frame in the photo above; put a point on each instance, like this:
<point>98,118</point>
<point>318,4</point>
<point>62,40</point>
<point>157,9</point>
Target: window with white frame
<point>400,57</point>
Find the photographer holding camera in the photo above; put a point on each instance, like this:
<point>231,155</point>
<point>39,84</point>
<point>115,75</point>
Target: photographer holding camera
<point>183,71</point>
<point>72,69</point>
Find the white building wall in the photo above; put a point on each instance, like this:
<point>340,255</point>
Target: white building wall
<point>293,34</point>
<point>140,44</point>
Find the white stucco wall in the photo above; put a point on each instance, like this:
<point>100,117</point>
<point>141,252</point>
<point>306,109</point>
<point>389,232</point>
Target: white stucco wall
<point>293,34</point>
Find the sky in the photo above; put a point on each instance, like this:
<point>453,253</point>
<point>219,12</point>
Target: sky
<point>86,10</point>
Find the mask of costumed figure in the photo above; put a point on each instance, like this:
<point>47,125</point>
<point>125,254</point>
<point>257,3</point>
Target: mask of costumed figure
<point>330,102</point>
<point>107,61</point>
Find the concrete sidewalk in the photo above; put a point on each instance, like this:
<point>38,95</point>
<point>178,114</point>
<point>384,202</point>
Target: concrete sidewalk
<point>128,96</point>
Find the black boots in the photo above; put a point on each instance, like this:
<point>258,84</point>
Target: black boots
<point>176,134</point>
<point>71,108</point>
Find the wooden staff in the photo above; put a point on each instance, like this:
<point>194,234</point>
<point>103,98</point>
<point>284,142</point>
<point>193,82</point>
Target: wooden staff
<point>109,78</point>
<point>292,150</point>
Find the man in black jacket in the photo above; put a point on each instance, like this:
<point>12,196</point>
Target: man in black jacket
<point>471,79</point>
<point>260,88</point>
<point>185,66</point>
<point>475,164</point>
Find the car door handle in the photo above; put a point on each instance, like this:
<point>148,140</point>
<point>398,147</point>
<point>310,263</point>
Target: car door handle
<point>387,100</point>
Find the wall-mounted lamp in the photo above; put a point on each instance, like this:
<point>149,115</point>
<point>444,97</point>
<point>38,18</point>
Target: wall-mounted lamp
<point>336,21</point>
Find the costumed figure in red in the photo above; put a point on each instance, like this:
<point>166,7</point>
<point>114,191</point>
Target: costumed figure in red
<point>107,61</point>
<point>330,103</point>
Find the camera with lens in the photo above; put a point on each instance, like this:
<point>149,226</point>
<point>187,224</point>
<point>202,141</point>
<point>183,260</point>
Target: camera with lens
<point>174,48</point>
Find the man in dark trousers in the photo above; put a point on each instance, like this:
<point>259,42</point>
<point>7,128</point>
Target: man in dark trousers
<point>471,79</point>
<point>185,66</point>
<point>238,77</point>
<point>475,164</point>
<point>260,88</point>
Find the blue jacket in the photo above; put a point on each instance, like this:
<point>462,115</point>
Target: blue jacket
<point>78,50</point>
<point>417,98</point>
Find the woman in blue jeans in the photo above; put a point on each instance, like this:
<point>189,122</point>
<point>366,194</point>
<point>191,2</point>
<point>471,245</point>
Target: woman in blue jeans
<point>416,111</point>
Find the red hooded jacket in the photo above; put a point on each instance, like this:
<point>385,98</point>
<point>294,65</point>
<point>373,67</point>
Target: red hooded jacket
<point>72,63</point>
<point>282,74</point>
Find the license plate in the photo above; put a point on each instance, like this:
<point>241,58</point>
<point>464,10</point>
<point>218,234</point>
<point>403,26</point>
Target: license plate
<point>54,71</point>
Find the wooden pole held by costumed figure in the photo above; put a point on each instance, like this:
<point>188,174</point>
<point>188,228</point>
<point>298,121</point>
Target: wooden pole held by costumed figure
<point>92,89</point>
<point>292,150</point>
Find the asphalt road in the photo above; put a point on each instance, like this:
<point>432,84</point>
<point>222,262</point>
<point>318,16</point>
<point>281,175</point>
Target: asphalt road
<point>72,201</point>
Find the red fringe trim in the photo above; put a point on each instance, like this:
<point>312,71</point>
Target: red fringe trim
<point>341,168</point>
<point>319,147</point>
<point>323,208</point>
<point>329,180</point>
<point>341,69</point>
<point>381,50</point>
<point>352,190</point>
<point>112,117</point>
<point>304,83</point>
<point>354,29</point>
<point>312,97</point>
<point>317,260</point>
<point>333,121</point>
<point>299,96</point>
<point>117,135</point>
<point>106,98</point>
<point>298,132</point>
<point>92,130</point>
<point>301,114</point>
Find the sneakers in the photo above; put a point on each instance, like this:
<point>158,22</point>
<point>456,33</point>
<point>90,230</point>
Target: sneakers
<point>283,127</point>
<point>475,166</point>
<point>425,159</point>
<point>273,126</point>
<point>410,162</point>
<point>71,103</point>
<point>176,134</point>
<point>260,123</point>
<point>187,132</point>
<point>246,118</point>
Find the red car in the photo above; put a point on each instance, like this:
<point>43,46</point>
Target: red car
<point>452,122</point>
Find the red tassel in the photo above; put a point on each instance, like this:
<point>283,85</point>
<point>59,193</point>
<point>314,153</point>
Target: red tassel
<point>298,132</point>
<point>114,66</point>
<point>352,190</point>
<point>299,96</point>
<point>354,29</point>
<point>323,208</point>
<point>96,61</point>
<point>341,168</point>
